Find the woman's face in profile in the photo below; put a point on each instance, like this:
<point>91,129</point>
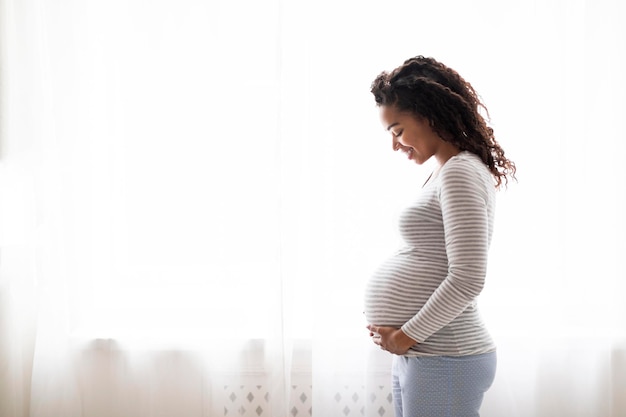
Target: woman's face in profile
<point>410,134</point>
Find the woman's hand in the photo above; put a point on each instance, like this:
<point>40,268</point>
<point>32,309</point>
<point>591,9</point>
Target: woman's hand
<point>391,339</point>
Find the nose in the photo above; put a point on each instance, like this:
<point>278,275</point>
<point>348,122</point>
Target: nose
<point>394,143</point>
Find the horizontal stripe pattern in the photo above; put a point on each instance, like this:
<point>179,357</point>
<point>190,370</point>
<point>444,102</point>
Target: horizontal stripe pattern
<point>429,287</point>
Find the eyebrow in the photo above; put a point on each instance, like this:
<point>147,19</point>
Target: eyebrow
<point>392,125</point>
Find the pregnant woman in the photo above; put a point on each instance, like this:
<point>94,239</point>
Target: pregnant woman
<point>421,303</point>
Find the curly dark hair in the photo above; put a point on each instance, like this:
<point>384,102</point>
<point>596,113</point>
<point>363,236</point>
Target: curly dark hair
<point>427,88</point>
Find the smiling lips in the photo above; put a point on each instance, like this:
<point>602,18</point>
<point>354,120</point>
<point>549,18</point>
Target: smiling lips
<point>406,149</point>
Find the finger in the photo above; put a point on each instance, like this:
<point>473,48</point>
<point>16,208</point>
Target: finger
<point>372,328</point>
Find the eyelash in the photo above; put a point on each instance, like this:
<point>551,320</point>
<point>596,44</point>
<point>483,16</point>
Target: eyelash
<point>398,134</point>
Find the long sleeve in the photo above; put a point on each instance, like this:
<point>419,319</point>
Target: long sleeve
<point>465,200</point>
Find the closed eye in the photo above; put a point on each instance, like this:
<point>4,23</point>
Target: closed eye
<point>397,135</point>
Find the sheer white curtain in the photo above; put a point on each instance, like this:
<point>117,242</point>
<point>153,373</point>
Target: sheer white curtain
<point>193,195</point>
<point>141,151</point>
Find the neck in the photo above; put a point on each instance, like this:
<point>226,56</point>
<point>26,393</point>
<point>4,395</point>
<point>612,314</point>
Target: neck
<point>445,152</point>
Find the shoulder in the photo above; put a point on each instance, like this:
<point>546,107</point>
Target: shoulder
<point>464,172</point>
<point>464,164</point>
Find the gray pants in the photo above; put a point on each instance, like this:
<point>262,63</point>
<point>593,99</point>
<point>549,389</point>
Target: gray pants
<point>441,386</point>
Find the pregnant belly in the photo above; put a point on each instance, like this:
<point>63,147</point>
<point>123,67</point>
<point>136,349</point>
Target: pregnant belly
<point>399,289</point>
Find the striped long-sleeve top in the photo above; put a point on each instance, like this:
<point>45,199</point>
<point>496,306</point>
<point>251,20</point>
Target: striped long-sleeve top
<point>429,287</point>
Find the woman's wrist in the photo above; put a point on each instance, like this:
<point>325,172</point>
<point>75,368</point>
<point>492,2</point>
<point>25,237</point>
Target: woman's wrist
<point>404,340</point>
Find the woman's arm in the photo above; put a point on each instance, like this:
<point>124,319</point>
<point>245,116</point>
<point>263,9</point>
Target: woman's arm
<point>464,199</point>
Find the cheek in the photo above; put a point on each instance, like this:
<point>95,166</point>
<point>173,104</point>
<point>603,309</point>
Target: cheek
<point>412,141</point>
